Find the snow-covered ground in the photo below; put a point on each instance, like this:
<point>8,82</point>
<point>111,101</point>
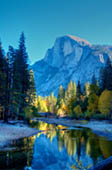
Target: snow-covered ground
<point>103,128</point>
<point>10,132</point>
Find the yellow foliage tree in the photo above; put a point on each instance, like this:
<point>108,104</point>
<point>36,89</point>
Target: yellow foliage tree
<point>105,103</point>
<point>63,110</point>
<point>93,103</point>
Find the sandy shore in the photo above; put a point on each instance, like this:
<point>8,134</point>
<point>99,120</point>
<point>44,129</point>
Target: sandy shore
<point>102,128</point>
<point>10,132</point>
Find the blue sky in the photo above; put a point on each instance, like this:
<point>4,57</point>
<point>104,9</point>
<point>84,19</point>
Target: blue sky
<point>44,20</point>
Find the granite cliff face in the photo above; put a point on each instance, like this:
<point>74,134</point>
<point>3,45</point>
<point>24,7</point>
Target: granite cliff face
<point>71,58</point>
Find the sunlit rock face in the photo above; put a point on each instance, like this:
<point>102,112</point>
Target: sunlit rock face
<point>71,58</point>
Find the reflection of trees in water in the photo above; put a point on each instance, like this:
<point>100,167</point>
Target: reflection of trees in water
<point>79,144</point>
<point>19,157</point>
<point>106,148</point>
<point>93,148</point>
<point>78,141</point>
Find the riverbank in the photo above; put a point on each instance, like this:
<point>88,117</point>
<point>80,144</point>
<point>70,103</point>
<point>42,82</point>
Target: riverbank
<point>102,128</point>
<point>14,131</point>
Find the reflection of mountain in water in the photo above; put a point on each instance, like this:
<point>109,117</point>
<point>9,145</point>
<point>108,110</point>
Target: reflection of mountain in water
<point>67,149</point>
<point>56,148</point>
<point>47,155</point>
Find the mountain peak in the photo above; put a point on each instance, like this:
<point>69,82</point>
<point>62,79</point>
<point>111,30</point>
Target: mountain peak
<point>66,48</point>
<point>80,40</point>
<point>70,58</point>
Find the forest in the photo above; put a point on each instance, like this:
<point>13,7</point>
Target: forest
<point>19,100</point>
<point>94,101</point>
<point>17,87</point>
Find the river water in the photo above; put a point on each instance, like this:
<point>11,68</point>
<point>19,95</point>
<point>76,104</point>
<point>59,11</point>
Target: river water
<point>56,148</point>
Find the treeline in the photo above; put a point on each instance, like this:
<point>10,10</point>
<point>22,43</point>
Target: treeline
<point>93,101</point>
<point>17,87</point>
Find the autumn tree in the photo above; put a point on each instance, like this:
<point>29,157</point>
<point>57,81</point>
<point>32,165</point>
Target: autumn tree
<point>53,102</point>
<point>63,110</point>
<point>70,96</point>
<point>105,103</point>
<point>86,90</point>
<point>93,103</point>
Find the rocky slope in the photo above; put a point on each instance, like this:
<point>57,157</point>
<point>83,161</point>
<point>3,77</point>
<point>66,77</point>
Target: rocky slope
<point>71,58</point>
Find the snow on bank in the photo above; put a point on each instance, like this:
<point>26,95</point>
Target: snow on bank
<point>102,128</point>
<point>10,132</point>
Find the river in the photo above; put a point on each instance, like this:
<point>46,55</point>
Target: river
<point>56,148</point>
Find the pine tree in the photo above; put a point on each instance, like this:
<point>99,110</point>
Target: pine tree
<point>22,74</point>
<point>109,75</point>
<point>4,84</point>
<point>61,95</point>
<point>32,96</point>
<point>15,79</point>
<point>2,80</point>
<point>94,88</point>
<point>7,89</point>
<point>78,93</point>
<point>106,76</point>
<point>20,77</point>
<point>103,79</point>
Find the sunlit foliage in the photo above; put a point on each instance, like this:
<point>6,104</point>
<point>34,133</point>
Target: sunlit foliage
<point>105,103</point>
<point>92,103</point>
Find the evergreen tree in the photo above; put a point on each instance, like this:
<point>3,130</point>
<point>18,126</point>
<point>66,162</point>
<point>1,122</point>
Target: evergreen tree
<point>94,88</point>
<point>17,87</point>
<point>61,95</point>
<point>31,95</point>
<point>2,81</point>
<point>102,79</point>
<point>106,76</point>
<point>23,71</point>
<point>20,77</point>
<point>15,82</point>
<point>4,84</point>
<point>109,75</point>
<point>78,93</point>
<point>7,90</point>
